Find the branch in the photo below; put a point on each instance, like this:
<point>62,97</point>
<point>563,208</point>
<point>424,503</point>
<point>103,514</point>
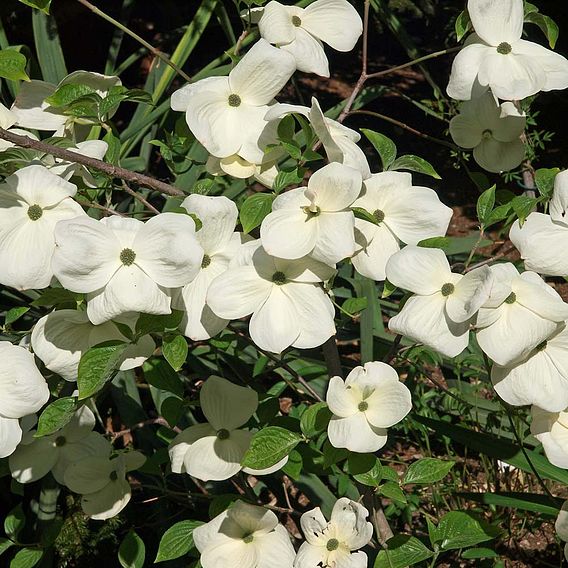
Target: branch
<point>109,169</point>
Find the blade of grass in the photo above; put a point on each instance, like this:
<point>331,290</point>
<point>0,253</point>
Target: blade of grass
<point>48,47</point>
<point>534,502</point>
<point>117,37</point>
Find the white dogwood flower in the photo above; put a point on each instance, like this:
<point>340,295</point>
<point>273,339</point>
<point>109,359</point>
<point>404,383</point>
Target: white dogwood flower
<point>316,220</point>
<point>32,110</point>
<point>301,31</point>
<point>24,391</point>
<point>496,56</point>
<point>7,117</point>
<point>551,430</point>
<point>444,304</point>
<point>101,483</point>
<point>369,401</point>
<point>333,544</point>
<point>32,201</point>
<point>542,239</point>
<point>226,114</point>
<point>220,242</point>
<point>36,457</point>
<point>561,526</point>
<point>541,378</point>
<point>339,142</point>
<point>246,536</point>
<point>60,338</point>
<point>403,212</point>
<point>213,451</point>
<point>521,312</point>
<point>493,131</point>
<point>126,265</point>
<point>287,303</point>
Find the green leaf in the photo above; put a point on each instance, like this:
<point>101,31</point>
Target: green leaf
<point>26,558</point>
<point>14,522</point>
<point>15,314</point>
<point>383,145</point>
<point>475,553</point>
<point>435,242</point>
<point>544,179</point>
<point>548,26</point>
<point>293,467</point>
<point>427,470</point>
<point>5,544</point>
<point>392,490</point>
<point>69,93</point>
<point>485,204</point>
<point>148,323</point>
<point>269,446</point>
<point>293,149</point>
<point>457,529</point>
<point>97,366</point>
<point>254,210</point>
<point>415,164</point>
<point>177,541</point>
<point>523,206</point>
<point>463,25</point>
<point>42,5</point>
<point>160,374</point>
<point>286,178</point>
<point>56,415</point>
<point>354,306</point>
<point>57,297</point>
<point>388,289</point>
<point>372,477</point>
<point>315,419</point>
<point>13,65</point>
<point>174,348</point>
<point>48,47</point>
<point>534,502</point>
<point>360,464</point>
<point>286,129</point>
<point>402,551</point>
<point>332,455</point>
<point>132,551</point>
<point>498,214</point>
<point>364,215</point>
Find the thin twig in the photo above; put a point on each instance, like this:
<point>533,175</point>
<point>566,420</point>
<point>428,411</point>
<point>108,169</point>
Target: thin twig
<point>406,127</point>
<point>239,43</point>
<point>109,169</point>
<point>156,52</point>
<point>140,198</point>
<point>100,207</point>
<point>159,420</point>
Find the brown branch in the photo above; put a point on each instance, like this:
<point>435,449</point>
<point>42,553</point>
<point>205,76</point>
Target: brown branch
<point>100,207</point>
<point>160,421</point>
<point>109,169</point>
<point>140,198</point>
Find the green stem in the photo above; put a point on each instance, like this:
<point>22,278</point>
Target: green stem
<point>140,40</point>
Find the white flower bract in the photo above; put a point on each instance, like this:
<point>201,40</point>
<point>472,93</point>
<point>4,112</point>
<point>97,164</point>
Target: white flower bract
<point>214,450</point>
<point>369,401</point>
<point>32,201</point>
<point>301,31</point>
<point>551,430</point>
<point>246,536</point>
<point>444,304</point>
<point>316,220</point>
<point>287,303</point>
<point>403,212</point>
<point>126,265</point>
<point>333,544</point>
<point>496,56</point>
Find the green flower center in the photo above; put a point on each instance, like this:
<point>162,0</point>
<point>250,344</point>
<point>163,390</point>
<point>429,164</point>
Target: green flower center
<point>487,134</point>
<point>234,100</point>
<point>60,441</point>
<point>312,211</point>
<point>248,539</point>
<point>206,261</point>
<point>511,298</point>
<point>448,289</point>
<point>223,434</point>
<point>379,216</point>
<point>279,278</point>
<point>542,346</point>
<point>363,406</point>
<point>296,20</point>
<point>113,476</point>
<point>127,257</point>
<point>332,544</point>
<point>35,212</point>
<point>504,48</point>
